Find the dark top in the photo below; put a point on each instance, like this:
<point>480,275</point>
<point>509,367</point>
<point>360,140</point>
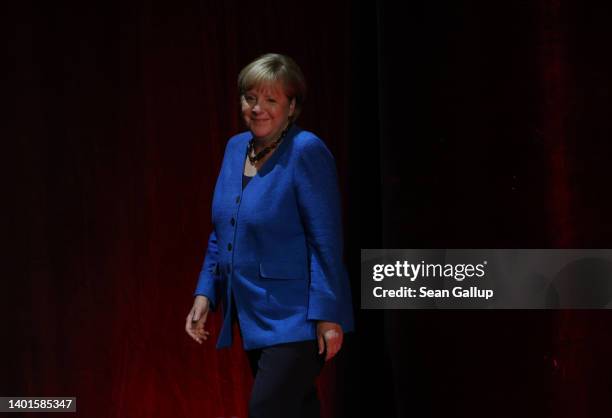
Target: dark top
<point>245,180</point>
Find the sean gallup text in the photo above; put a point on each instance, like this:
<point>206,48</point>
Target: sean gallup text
<point>472,292</point>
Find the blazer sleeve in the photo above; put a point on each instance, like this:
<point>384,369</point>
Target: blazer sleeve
<point>318,199</point>
<point>209,275</point>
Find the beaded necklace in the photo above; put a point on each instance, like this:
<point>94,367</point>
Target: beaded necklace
<point>258,156</point>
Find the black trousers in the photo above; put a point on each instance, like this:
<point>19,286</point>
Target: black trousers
<point>284,384</point>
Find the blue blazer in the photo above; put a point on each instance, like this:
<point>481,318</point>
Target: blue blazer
<point>277,244</point>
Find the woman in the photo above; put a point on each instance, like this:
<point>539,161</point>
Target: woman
<point>274,257</point>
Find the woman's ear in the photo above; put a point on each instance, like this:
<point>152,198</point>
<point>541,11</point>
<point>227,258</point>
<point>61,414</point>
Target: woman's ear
<point>292,107</point>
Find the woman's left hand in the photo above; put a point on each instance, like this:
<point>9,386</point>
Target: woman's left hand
<point>329,335</point>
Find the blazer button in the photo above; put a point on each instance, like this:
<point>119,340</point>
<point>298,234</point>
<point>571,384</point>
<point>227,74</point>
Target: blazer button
<point>229,246</point>
<point>237,199</point>
<point>233,221</point>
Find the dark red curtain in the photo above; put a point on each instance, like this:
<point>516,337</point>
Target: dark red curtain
<point>123,110</point>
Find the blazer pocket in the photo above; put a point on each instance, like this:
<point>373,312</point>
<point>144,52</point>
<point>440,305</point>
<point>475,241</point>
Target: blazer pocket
<point>282,271</point>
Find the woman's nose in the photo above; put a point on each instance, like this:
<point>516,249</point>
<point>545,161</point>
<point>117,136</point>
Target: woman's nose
<point>256,108</point>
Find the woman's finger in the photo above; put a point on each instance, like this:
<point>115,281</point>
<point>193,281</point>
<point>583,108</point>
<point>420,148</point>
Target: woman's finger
<point>333,343</point>
<point>321,343</point>
<point>188,324</point>
<point>192,327</point>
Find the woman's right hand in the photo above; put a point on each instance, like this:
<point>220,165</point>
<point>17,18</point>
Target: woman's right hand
<point>197,319</point>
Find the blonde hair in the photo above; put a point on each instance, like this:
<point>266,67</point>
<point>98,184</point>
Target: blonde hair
<point>270,68</point>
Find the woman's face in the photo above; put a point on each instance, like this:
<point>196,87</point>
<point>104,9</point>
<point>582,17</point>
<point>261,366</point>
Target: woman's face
<point>266,110</point>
